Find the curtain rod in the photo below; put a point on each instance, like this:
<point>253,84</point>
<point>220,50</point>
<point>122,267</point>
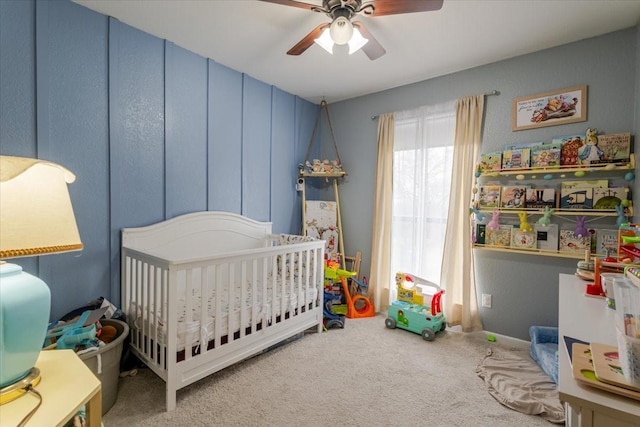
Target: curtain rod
<point>493,92</point>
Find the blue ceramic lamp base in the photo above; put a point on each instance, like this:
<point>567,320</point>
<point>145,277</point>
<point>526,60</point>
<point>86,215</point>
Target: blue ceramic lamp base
<point>25,303</point>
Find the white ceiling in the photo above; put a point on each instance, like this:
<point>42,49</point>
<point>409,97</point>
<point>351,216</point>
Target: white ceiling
<point>253,37</point>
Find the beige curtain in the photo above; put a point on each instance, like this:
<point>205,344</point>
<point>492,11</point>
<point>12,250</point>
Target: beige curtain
<point>381,233</point>
<point>458,272</point>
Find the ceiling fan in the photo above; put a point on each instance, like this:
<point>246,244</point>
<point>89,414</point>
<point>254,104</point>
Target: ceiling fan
<point>342,30</point>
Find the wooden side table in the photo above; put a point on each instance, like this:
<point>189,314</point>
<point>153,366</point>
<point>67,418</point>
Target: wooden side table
<point>67,384</point>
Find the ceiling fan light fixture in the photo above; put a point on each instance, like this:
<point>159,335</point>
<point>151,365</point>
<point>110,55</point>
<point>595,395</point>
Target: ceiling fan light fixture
<point>357,41</point>
<point>341,30</point>
<point>325,41</point>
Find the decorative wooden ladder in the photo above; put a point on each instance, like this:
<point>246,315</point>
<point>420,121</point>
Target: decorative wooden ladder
<point>333,172</point>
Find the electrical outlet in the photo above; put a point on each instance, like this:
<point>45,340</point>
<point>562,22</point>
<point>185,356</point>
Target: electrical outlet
<point>486,300</point>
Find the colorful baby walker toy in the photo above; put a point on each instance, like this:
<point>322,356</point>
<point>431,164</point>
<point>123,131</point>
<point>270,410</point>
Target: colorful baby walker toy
<point>410,313</point>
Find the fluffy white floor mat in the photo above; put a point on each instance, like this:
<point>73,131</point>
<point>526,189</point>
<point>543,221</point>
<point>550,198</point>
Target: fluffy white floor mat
<point>521,385</point>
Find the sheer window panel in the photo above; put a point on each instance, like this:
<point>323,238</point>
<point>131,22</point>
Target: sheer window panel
<point>423,158</point>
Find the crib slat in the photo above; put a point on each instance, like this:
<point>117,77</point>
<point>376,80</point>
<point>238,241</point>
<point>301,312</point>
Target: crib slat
<point>153,333</point>
<point>163,295</point>
<point>230,304</point>
<point>204,305</point>
<point>254,296</point>
<point>243,297</point>
<point>275,311</point>
<point>265,309</point>
<point>145,303</point>
<point>218,306</point>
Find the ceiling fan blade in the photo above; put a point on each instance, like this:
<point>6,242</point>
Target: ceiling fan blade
<point>373,49</point>
<point>395,7</point>
<point>308,40</point>
<point>293,3</point>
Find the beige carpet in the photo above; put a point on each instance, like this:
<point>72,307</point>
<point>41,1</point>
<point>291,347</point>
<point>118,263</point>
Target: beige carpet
<point>363,375</point>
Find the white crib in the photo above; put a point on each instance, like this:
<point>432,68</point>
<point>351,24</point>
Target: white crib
<point>257,288</point>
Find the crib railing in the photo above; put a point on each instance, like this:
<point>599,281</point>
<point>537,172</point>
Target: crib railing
<point>180,310</point>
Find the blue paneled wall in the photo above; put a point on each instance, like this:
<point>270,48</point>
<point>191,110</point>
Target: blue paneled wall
<point>150,130</point>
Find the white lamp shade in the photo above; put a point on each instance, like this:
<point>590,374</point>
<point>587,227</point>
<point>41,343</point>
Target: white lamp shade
<point>325,41</point>
<point>36,215</point>
<point>36,218</point>
<point>337,34</point>
<point>357,41</point>
<point>341,30</point>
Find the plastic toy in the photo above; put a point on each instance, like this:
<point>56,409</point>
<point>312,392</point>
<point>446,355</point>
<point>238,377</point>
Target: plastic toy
<point>333,317</point>
<point>409,311</point>
<point>81,332</point>
<point>331,320</point>
<point>628,252</point>
<point>77,337</point>
<point>357,305</point>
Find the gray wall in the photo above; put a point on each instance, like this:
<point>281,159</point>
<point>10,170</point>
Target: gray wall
<point>150,130</point>
<point>524,288</point>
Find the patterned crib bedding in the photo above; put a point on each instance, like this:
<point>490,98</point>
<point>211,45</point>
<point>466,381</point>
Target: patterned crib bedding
<point>189,329</point>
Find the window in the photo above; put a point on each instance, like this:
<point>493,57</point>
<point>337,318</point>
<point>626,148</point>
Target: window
<point>422,163</point>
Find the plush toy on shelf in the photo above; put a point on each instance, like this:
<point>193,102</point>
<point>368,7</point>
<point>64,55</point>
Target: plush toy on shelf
<point>494,224</point>
<point>581,229</point>
<point>524,223</point>
<point>545,219</point>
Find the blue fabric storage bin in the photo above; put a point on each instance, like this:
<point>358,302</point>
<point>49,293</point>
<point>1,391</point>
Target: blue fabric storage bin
<point>544,349</point>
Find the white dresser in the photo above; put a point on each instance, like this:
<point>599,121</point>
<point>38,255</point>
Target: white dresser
<point>588,319</point>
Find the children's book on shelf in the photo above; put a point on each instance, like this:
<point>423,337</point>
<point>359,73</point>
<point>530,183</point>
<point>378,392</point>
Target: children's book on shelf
<point>606,242</point>
<point>499,237</point>
<point>529,145</point>
<point>491,161</point>
<point>615,147</point>
<point>489,196</point>
<point>546,236</point>
<point>540,198</point>
<point>569,242</point>
<point>481,232</point>
<point>545,155</point>
<point>523,239</point>
<point>576,198</point>
<point>516,158</point>
<point>513,197</point>
<point>597,183</point>
<point>569,151</point>
<point>592,240</point>
<point>609,198</point>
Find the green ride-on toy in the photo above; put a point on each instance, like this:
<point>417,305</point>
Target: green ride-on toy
<point>410,313</point>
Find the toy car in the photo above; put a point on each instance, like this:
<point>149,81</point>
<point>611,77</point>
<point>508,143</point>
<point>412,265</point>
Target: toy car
<point>409,311</point>
<point>415,318</point>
